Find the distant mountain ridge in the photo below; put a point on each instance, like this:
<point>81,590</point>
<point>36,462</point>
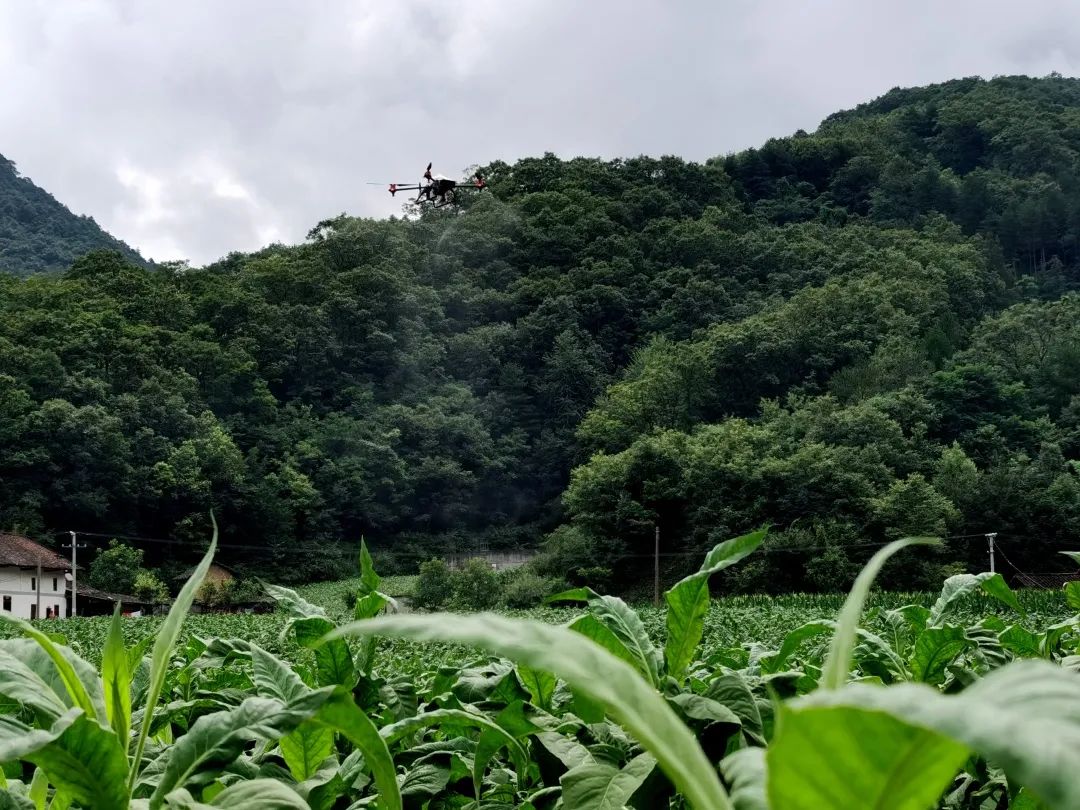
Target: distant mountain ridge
<point>38,234</point>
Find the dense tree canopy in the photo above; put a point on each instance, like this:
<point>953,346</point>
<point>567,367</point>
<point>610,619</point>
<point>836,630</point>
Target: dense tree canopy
<point>850,335</point>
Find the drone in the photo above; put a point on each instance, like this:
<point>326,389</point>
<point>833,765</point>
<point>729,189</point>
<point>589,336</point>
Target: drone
<point>438,190</point>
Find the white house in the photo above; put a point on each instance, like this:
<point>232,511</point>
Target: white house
<point>25,593</point>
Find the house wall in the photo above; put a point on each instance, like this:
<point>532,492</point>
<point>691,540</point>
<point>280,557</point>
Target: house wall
<point>17,584</point>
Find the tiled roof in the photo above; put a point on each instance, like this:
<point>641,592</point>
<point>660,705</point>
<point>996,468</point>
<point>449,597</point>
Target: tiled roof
<point>15,549</point>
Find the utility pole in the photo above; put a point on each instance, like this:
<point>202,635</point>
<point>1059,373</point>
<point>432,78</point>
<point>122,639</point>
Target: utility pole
<point>990,545</point>
<point>37,610</point>
<point>656,567</point>
<point>74,573</point>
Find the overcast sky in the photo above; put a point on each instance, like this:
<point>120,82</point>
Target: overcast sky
<point>192,129</point>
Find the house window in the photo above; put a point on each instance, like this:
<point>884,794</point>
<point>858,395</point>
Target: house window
<point>56,611</point>
<point>33,583</point>
<point>33,612</point>
<point>54,583</point>
<point>7,604</point>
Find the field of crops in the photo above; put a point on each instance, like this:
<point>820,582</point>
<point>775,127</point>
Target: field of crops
<point>968,698</point>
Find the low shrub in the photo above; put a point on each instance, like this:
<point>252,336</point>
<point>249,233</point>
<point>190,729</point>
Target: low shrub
<point>435,586</point>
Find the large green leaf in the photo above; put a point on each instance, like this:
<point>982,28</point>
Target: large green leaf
<point>492,736</point>
<point>1025,717</point>
<point>744,771</point>
<point>252,794</point>
<point>343,715</point>
<point>20,683</point>
<point>599,786</point>
<point>162,652</point>
<point>74,685</point>
<point>116,679</point>
<point>733,691</point>
<point>1072,555</point>
<point>935,648</point>
<point>293,602</point>
<point>585,666</point>
<point>776,662</point>
<point>688,601</point>
<point>87,764</point>
<point>305,747</point>
<point>842,757</point>
<point>956,587</point>
<point>540,684</point>
<point>17,739</point>
<point>369,580</point>
<point>215,740</point>
<point>333,661</point>
<point>625,623</point>
<point>1072,595</point>
<point>838,662</point>
<point>274,678</point>
<point>595,630</point>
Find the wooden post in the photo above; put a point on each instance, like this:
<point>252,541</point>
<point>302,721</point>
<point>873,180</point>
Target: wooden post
<point>656,567</point>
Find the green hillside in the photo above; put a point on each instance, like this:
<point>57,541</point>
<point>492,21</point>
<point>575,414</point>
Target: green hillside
<point>862,332</point>
<point>39,234</point>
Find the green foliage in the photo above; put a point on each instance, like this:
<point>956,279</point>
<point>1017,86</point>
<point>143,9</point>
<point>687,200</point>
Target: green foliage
<point>476,585</point>
<point>435,586</point>
<point>522,587</point>
<point>870,327</point>
<point>117,568</point>
<point>148,588</point>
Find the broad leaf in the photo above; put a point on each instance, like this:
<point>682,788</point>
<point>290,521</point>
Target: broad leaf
<point>333,660</point>
<point>935,648</point>
<point>162,652</point>
<point>18,682</point>
<point>1025,717</point>
<point>293,602</point>
<point>72,683</point>
<point>259,794</point>
<point>841,757</point>
<point>215,740</point>
<point>567,750</point>
<point>342,714</point>
<point>838,662</point>
<point>540,684</point>
<point>584,594</point>
<point>403,728</point>
<point>274,678</point>
<point>1072,555</point>
<point>251,794</point>
<point>1072,595</point>
<point>599,786</point>
<point>424,781</point>
<point>369,580</point>
<point>744,771</point>
<point>732,691</point>
<point>688,601</point>
<point>958,586</point>
<point>776,662</point>
<point>116,680</point>
<point>305,747</point>
<point>625,623</point>
<point>87,764</point>
<point>586,666</point>
<point>595,630</point>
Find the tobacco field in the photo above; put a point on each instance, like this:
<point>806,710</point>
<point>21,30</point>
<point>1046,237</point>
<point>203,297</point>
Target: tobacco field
<point>966,698</point>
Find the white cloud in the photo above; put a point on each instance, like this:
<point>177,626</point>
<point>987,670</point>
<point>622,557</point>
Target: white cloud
<point>195,129</point>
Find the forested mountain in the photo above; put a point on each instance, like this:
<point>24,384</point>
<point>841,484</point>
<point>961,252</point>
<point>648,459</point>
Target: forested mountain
<point>38,234</point>
<point>852,334</point>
